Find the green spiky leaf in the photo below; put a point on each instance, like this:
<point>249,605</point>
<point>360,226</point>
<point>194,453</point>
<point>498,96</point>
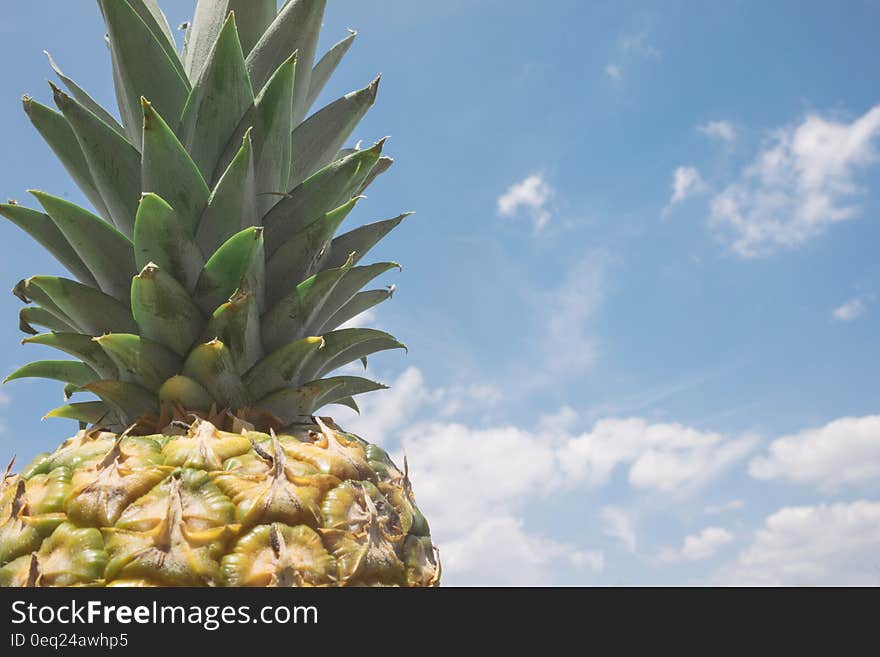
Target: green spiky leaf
<point>381,167</point>
<point>351,282</point>
<point>295,260</point>
<point>186,393</point>
<point>144,65</point>
<point>294,314</point>
<point>139,360</point>
<point>114,163</point>
<point>169,171</point>
<point>325,68</point>
<point>239,258</point>
<point>359,303</point>
<point>219,99</point>
<point>85,99</point>
<point>87,309</point>
<point>91,412</point>
<point>330,187</point>
<point>349,387</point>
<point>233,203</point>
<point>272,145</point>
<point>161,237</point>
<point>317,140</point>
<point>295,29</point>
<point>58,134</point>
<point>80,346</point>
<point>163,310</point>
<point>346,346</point>
<point>41,227</point>
<point>360,240</point>
<point>237,324</point>
<point>253,18</point>
<point>157,23</point>
<point>69,371</point>
<point>35,316</point>
<point>282,368</point>
<point>211,364</point>
<point>290,404</point>
<point>106,252</point>
<point>127,399</point>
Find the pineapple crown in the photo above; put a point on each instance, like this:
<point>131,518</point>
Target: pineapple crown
<point>210,279</point>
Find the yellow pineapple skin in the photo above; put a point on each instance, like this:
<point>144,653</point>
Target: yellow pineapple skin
<point>199,506</point>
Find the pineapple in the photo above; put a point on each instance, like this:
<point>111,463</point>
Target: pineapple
<point>205,321</point>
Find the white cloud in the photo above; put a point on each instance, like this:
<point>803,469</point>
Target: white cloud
<point>852,309</point>
<point>500,552</point>
<point>706,543</point>
<point>620,525</point>
<point>474,484</point>
<point>836,544</point>
<point>722,130</point>
<point>560,422</point>
<point>686,182</point>
<point>5,399</point>
<point>843,452</point>
<point>614,72</point>
<point>801,183</point>
<point>532,194</point>
<point>666,457</point>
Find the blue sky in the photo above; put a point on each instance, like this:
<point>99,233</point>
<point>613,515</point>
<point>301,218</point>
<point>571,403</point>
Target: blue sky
<point>640,292</point>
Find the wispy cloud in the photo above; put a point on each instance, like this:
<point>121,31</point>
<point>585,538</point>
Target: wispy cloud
<point>802,182</point>
<point>630,48</point>
<point>620,525</point>
<point>638,43</point>
<point>531,195</point>
<point>722,130</point>
<point>852,309</point>
<point>732,505</point>
<point>686,182</point>
<point>568,338</point>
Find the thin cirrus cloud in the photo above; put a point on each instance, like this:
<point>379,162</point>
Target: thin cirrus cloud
<point>800,184</point>
<point>568,312</point>
<point>849,311</point>
<point>722,130</point>
<point>630,47</point>
<point>530,196</point>
<point>620,524</point>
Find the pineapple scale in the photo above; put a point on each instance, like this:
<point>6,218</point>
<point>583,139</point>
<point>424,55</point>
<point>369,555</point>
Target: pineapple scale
<point>198,506</point>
